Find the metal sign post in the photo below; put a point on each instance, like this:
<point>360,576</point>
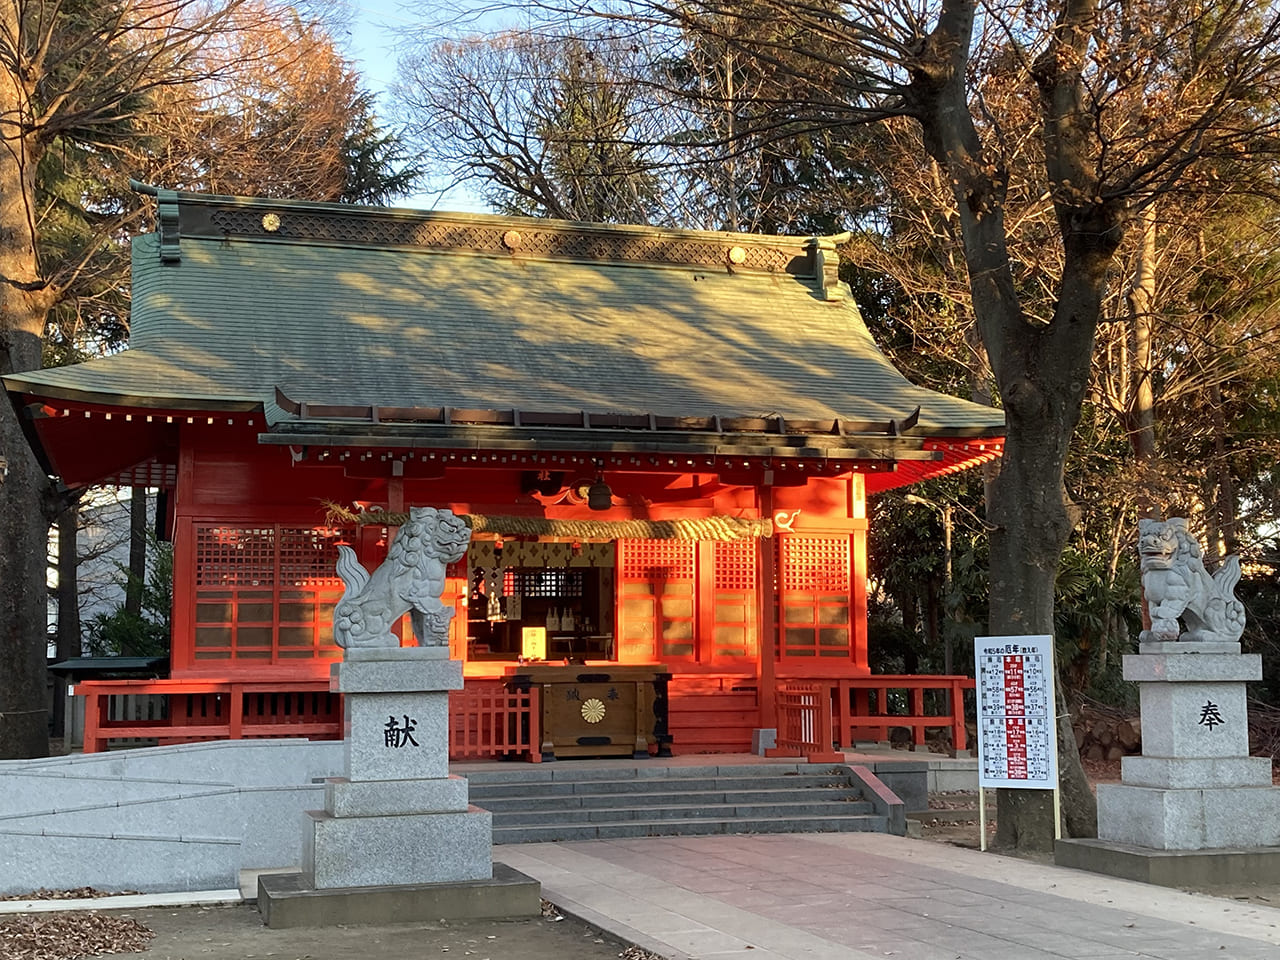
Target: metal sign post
<point>1017,729</point>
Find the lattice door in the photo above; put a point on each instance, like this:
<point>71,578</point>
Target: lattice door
<point>815,596</point>
<point>734,582</point>
<point>657,599</point>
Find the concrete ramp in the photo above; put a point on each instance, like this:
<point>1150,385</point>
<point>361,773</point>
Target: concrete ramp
<point>157,819</point>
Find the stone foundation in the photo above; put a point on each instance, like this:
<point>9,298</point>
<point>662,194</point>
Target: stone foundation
<point>1194,787</point>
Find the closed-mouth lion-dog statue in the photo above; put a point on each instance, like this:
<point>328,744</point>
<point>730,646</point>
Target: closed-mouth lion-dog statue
<point>410,580</point>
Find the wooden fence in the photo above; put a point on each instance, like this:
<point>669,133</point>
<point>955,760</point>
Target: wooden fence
<point>487,720</point>
<point>857,709</point>
<point>804,722</point>
<point>484,719</point>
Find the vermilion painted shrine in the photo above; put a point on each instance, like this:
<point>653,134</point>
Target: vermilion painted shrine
<point>664,441</point>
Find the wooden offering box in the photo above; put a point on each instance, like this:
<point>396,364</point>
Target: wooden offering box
<point>599,709</point>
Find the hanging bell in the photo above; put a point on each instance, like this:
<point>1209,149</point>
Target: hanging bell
<point>599,496</point>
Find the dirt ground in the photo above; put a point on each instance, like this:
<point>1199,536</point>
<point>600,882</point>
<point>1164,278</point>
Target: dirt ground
<point>237,933</point>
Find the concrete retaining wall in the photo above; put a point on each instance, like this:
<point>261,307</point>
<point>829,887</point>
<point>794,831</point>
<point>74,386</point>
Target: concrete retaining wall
<point>156,819</point>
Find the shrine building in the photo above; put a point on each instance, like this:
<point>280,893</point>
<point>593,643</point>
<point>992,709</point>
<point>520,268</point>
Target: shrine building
<point>663,441</point>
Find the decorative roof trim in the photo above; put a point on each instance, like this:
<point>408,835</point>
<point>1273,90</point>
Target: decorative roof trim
<point>826,265</point>
<point>284,221</point>
<point>463,438</point>
<point>305,412</point>
<point>33,387</point>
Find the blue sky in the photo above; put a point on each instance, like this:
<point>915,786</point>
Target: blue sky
<point>372,38</point>
<point>371,44</point>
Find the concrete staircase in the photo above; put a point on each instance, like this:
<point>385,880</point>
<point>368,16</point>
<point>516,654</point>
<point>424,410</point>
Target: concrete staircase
<point>563,801</point>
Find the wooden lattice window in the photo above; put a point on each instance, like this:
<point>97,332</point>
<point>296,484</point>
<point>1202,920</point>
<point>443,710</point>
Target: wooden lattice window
<point>645,559</point>
<point>657,598</point>
<point>550,582</point>
<point>815,596</point>
<point>265,593</point>
<point>734,584</point>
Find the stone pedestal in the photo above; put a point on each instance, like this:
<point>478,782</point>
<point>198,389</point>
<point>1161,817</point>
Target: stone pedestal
<point>397,841</point>
<point>397,817</point>
<point>1194,787</point>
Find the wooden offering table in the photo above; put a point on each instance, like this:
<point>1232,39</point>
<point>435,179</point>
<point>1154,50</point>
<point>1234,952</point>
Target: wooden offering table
<point>598,709</point>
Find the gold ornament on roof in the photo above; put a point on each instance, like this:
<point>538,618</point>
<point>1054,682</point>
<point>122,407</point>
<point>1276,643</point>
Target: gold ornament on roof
<point>271,222</point>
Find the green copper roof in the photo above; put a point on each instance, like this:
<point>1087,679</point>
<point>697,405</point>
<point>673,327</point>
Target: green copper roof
<point>273,297</point>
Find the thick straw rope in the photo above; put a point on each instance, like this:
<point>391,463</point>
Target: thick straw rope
<point>702,528</point>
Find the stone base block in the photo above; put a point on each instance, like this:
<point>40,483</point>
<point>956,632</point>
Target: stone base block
<point>287,900</point>
<point>397,736</point>
<point>1196,772</point>
<point>1171,868</point>
<point>343,798</point>
<point>1185,647</point>
<point>1194,719</point>
<point>762,739</point>
<point>1192,667</point>
<point>397,850</point>
<point>398,674</point>
<point>1190,819</point>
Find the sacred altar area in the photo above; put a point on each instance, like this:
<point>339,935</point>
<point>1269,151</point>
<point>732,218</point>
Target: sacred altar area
<point>662,442</point>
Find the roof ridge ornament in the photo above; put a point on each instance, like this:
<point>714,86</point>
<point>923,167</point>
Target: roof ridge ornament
<point>167,223</point>
<point>167,220</point>
<point>826,265</point>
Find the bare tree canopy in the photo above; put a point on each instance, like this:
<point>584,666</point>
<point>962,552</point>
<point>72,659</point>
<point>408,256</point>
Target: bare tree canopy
<point>92,91</point>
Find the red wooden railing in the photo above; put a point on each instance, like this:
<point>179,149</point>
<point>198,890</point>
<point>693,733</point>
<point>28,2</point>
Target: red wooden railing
<point>484,720</point>
<point>860,708</point>
<point>211,710</point>
<point>857,717</point>
<point>490,721</point>
<point>804,722</point>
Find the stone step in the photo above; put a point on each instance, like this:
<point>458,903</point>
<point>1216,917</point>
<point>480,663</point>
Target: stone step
<point>565,788</point>
<point>682,811</point>
<point>647,770</point>
<point>560,802</point>
<point>514,801</point>
<point>689,827</point>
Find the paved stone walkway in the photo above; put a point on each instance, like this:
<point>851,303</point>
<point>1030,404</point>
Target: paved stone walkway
<point>863,896</point>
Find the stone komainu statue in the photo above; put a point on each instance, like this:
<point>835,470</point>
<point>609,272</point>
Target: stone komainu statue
<point>410,580</point>
<point>1177,585</point>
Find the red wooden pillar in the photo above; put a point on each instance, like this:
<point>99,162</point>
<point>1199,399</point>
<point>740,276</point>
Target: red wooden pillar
<point>93,703</point>
<point>767,618</point>
<point>182,642</point>
<point>235,711</point>
<point>917,710</point>
<point>958,735</point>
<point>858,574</point>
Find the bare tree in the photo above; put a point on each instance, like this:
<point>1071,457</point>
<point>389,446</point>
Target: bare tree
<point>80,74</point>
<point>584,124</point>
<point>548,125</point>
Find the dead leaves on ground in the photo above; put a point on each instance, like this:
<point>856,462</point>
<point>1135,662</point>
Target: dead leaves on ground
<point>65,936</point>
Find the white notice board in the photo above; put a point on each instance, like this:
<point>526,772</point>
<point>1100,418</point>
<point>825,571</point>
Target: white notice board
<point>1017,743</point>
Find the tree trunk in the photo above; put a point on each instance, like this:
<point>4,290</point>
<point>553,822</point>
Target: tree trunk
<point>137,550</point>
<point>68,642</point>
<point>1224,506</point>
<point>26,502</point>
<point>1041,371</point>
<point>1140,417</point>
